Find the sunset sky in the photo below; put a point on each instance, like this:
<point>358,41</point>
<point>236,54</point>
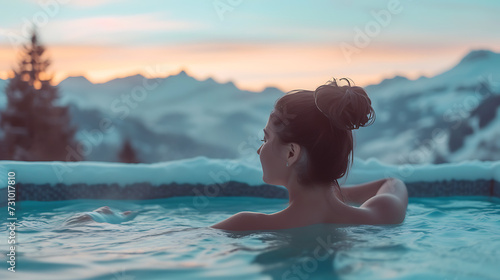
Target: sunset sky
<point>254,43</point>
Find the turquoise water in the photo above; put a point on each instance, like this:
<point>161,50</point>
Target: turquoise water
<point>441,238</point>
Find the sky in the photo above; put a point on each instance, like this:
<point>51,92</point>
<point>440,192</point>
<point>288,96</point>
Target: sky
<point>254,43</point>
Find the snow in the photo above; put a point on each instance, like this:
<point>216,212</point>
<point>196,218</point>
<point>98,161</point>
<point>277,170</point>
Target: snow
<point>197,103</point>
<point>472,144</point>
<point>373,169</point>
<point>476,66</point>
<point>378,147</point>
<point>202,170</point>
<point>417,106</point>
<point>198,170</point>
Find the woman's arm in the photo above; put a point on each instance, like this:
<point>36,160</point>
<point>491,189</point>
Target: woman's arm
<point>396,188</point>
<point>387,199</point>
<point>358,194</point>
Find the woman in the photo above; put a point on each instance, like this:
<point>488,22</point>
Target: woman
<point>307,144</point>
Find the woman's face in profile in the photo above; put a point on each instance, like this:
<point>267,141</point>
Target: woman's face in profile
<point>272,157</point>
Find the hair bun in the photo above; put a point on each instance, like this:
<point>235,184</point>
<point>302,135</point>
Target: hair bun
<point>347,107</point>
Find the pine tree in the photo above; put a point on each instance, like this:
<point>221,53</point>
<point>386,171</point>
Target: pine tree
<point>127,153</point>
<point>35,129</point>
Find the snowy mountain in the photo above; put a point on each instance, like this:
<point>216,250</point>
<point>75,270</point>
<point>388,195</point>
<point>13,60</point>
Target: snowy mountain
<point>436,119</point>
<point>450,117</point>
<point>169,118</point>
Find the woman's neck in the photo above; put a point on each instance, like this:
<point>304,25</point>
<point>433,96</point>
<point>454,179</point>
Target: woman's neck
<point>312,196</point>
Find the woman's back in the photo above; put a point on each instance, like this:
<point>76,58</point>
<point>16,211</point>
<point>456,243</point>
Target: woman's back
<point>382,202</point>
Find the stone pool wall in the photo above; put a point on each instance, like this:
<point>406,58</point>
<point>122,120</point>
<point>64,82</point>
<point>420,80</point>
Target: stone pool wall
<point>139,191</point>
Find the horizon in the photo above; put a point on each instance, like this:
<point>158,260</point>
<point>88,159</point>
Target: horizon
<point>176,73</point>
<point>251,44</point>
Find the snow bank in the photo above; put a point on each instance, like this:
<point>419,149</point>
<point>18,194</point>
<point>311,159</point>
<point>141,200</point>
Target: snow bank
<point>373,169</point>
<point>202,170</point>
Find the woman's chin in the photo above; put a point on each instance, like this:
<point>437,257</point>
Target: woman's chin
<point>267,181</point>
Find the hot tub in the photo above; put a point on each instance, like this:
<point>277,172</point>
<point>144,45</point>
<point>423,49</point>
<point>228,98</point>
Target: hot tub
<point>450,231</point>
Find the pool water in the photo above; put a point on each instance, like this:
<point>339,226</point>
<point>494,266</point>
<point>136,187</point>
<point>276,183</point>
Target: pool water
<point>441,238</point>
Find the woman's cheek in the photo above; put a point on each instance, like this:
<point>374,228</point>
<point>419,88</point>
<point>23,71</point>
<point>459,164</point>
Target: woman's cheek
<point>262,150</point>
<point>264,153</point>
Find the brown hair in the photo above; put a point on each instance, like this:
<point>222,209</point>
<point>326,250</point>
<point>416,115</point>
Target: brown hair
<point>320,122</point>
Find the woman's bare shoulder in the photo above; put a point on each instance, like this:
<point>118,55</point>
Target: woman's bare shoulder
<point>243,221</point>
<point>385,209</point>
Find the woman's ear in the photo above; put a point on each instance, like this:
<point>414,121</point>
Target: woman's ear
<point>293,153</point>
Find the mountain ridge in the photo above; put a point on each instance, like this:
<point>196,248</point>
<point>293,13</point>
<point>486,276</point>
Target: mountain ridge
<point>221,117</point>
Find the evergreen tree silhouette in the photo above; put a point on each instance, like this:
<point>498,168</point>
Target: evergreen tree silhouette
<point>127,153</point>
<point>35,129</point>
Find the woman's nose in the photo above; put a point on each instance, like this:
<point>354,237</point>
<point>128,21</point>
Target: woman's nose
<point>258,150</point>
